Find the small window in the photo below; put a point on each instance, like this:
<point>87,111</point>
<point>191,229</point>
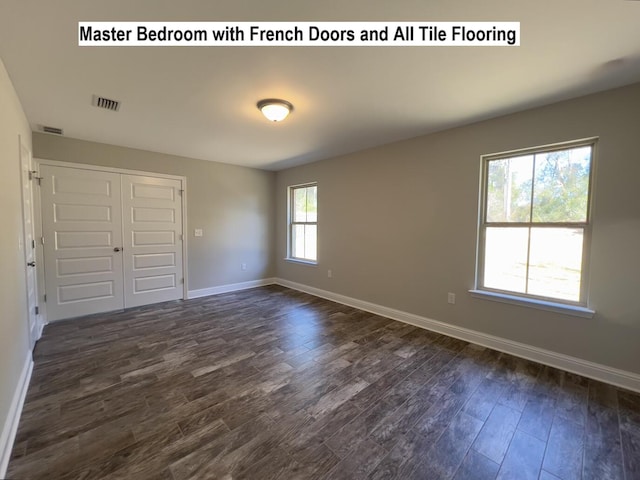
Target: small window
<point>534,222</point>
<point>303,222</point>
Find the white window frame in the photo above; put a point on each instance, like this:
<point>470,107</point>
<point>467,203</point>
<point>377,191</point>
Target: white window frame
<point>290,225</point>
<point>578,308</point>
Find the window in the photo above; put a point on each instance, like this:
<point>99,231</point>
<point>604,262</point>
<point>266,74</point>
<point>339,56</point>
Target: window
<point>534,223</point>
<point>303,222</point>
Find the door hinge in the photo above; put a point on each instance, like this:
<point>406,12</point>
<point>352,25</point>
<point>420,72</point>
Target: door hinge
<point>45,298</point>
<point>42,240</point>
<point>33,175</point>
<point>182,280</point>
<point>37,310</point>
<point>180,191</point>
<point>33,243</point>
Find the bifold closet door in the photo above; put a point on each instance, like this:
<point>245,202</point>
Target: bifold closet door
<point>82,227</point>
<point>152,232</point>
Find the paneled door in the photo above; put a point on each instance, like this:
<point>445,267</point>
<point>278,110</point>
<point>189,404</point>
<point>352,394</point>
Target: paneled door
<point>26,178</point>
<point>111,240</point>
<point>152,232</point>
<point>82,227</point>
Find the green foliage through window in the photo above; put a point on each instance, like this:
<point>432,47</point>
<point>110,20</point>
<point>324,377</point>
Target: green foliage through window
<point>535,222</point>
<point>550,187</point>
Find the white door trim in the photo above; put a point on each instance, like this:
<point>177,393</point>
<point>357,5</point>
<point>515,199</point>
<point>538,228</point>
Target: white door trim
<point>100,168</point>
<point>34,323</point>
<point>37,162</point>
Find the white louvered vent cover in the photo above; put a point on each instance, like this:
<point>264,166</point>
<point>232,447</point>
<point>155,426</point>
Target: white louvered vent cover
<point>102,102</point>
<point>56,130</point>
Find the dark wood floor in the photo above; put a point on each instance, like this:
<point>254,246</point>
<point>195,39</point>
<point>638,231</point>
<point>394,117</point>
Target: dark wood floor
<point>271,383</point>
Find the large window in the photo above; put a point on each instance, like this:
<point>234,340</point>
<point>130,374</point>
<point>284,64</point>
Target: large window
<point>303,222</point>
<point>534,224</point>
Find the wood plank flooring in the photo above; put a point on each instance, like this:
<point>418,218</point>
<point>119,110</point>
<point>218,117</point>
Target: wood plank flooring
<point>271,383</point>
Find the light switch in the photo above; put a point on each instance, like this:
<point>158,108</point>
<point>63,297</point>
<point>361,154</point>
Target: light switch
<point>197,232</point>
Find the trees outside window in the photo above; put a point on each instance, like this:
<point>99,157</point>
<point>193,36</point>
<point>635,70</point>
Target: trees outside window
<point>534,224</point>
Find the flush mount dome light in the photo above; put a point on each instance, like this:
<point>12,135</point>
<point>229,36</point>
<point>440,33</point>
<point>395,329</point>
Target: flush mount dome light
<point>274,109</point>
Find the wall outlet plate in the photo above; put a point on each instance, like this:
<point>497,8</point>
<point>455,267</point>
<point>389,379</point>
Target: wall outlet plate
<point>197,232</point>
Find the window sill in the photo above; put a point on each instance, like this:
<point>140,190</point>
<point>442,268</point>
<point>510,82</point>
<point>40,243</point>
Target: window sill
<point>534,303</point>
<point>301,261</point>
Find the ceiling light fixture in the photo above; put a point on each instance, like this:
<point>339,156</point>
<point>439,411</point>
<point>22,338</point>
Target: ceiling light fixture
<point>275,109</point>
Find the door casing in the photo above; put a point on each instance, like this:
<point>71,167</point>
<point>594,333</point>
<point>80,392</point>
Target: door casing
<point>27,179</point>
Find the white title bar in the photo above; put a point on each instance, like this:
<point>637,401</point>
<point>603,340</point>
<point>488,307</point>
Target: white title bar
<point>298,34</point>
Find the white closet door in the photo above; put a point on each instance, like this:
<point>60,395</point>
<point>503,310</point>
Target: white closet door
<point>152,228</point>
<point>82,226</point>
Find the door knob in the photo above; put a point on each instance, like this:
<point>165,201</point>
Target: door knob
<point>31,264</point>
<point>117,249</point>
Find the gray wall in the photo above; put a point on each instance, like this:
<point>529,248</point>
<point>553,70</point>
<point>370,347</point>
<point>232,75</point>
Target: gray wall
<point>233,205</point>
<point>14,343</point>
<point>397,226</point>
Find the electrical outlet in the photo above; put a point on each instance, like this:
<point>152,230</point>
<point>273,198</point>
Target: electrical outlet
<point>243,266</point>
<point>197,232</point>
<point>329,273</point>
<point>451,298</point>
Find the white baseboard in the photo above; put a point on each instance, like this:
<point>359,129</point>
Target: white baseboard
<point>613,376</point>
<point>10,427</point>
<point>232,287</point>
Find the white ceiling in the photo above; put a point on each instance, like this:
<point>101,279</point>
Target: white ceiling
<point>201,101</point>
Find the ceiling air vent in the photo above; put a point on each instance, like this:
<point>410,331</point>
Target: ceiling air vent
<point>102,102</point>
<point>56,130</point>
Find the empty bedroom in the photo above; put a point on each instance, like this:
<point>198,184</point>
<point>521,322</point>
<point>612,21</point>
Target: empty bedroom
<point>295,240</point>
